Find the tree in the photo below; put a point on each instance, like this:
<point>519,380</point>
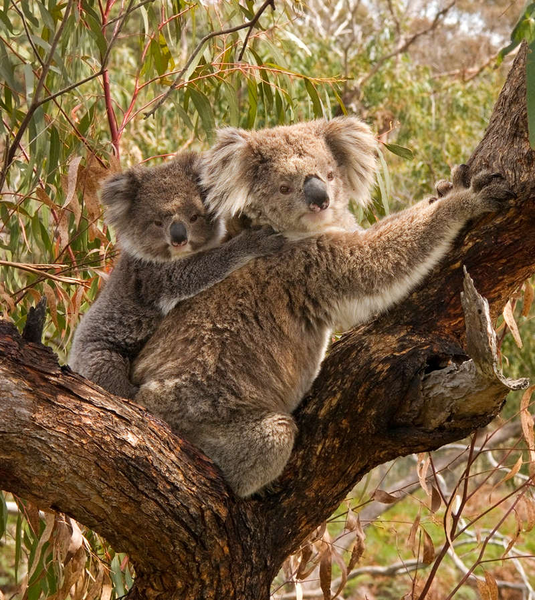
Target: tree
<point>113,467</point>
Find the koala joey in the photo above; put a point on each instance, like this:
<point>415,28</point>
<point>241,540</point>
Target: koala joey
<point>170,252</point>
<point>227,369</point>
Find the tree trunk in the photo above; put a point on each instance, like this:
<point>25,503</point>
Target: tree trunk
<point>66,445</point>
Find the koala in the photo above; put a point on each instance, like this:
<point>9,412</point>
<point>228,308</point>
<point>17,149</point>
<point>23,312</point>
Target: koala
<point>170,252</point>
<point>228,368</point>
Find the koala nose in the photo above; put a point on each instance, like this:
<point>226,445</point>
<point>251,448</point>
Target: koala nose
<point>316,195</point>
<point>178,233</point>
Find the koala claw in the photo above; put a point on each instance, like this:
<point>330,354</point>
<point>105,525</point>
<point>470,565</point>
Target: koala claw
<point>265,240</point>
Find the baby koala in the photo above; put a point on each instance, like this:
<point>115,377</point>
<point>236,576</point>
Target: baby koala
<point>170,252</point>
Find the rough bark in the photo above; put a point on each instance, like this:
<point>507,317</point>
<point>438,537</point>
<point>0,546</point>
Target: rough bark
<point>66,445</point>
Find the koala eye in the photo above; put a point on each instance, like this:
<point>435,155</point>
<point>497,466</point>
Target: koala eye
<point>158,223</point>
<point>284,189</point>
<point>193,218</point>
<point>330,175</point>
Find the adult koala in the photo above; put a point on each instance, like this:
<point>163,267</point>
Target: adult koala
<point>227,368</point>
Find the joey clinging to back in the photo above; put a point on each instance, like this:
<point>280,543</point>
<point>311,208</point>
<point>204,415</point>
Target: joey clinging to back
<point>170,252</point>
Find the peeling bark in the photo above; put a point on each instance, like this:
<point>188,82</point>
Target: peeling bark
<point>65,444</point>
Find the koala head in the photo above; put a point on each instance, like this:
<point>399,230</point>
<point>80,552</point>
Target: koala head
<point>159,213</point>
<point>299,178</point>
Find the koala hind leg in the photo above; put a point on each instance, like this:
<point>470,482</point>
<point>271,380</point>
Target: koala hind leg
<point>252,451</point>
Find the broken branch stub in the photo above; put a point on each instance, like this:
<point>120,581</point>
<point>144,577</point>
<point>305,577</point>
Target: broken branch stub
<point>461,393</point>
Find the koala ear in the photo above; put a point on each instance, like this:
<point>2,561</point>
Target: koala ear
<point>354,149</point>
<point>117,195</point>
<point>224,172</point>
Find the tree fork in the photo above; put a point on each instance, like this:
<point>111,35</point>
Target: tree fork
<point>66,445</point>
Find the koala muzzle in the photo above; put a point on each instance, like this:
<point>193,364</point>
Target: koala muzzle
<point>179,234</point>
<point>316,195</point>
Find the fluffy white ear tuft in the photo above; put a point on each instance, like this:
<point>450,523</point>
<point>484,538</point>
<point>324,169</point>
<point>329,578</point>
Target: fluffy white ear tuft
<point>118,193</point>
<point>355,149</point>
<point>224,172</point>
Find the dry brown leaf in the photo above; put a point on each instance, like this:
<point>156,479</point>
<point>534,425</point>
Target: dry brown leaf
<point>305,556</point>
<point>429,548</point>
<point>528,299</point>
<point>76,541</point>
<point>45,198</point>
<point>326,573</point>
<point>512,472</point>
<point>511,323</point>
<point>31,513</point>
<point>527,506</point>
<point>492,586</point>
<point>483,589</point>
<point>95,586</point>
<point>51,299</point>
<point>50,520</point>
<point>436,500</point>
<point>384,497</point>
<point>352,521</point>
<point>421,469</point>
<point>412,540</point>
<point>62,228</point>
<point>106,588</point>
<point>343,572</point>
<point>526,419</point>
<point>513,540</point>
<point>5,297</point>
<point>68,183</point>
<point>358,546</point>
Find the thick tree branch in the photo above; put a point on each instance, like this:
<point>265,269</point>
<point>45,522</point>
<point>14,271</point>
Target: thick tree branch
<point>66,445</point>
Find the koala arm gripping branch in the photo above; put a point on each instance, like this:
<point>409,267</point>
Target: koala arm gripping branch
<point>390,259</point>
<point>185,278</point>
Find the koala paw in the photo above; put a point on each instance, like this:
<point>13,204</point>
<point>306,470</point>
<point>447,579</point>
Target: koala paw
<point>260,242</point>
<point>487,191</point>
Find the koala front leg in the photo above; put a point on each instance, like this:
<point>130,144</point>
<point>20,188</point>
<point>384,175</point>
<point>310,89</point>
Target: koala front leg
<point>187,277</point>
<point>108,369</point>
<point>388,260</point>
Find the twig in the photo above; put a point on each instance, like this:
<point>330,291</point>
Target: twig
<point>252,23</point>
<point>129,11</point>
<point>32,269</point>
<point>406,44</point>
<point>200,46</point>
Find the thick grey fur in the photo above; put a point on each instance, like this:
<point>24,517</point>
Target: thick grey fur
<point>227,368</point>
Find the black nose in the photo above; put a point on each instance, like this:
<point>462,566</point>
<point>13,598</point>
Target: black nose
<point>316,195</point>
<point>179,234</point>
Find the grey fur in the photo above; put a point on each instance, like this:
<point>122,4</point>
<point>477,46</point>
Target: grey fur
<point>152,275</point>
<point>228,370</point>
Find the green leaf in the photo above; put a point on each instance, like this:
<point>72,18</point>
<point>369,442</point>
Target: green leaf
<point>5,20</point>
<point>28,13</point>
<point>46,17</point>
<point>231,97</point>
<point>405,153</point>
<point>96,33</point>
<point>3,514</point>
<point>530,89</point>
<point>316,102</point>
<point>204,108</point>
